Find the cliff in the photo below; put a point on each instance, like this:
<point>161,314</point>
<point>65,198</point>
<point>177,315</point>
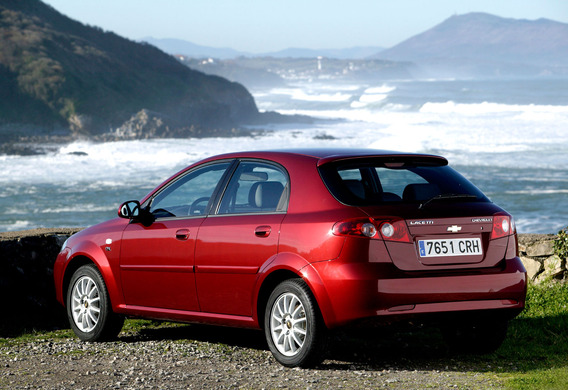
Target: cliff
<point>66,78</point>
<point>26,275</point>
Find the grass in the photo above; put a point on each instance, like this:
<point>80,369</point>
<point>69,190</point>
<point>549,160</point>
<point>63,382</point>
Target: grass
<point>537,342</point>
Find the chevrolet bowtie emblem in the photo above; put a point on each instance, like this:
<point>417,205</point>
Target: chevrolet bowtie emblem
<point>454,228</point>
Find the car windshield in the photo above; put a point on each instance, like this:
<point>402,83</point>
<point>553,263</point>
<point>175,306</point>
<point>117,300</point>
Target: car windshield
<point>368,182</point>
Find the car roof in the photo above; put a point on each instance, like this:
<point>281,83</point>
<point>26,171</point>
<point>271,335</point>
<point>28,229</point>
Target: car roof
<point>326,155</point>
<point>321,156</point>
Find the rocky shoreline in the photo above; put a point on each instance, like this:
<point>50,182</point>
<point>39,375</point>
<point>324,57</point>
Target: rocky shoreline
<point>22,140</point>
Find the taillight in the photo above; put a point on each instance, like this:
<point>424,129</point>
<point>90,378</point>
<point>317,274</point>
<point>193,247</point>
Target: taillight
<point>395,231</point>
<point>390,230</point>
<point>355,227</point>
<point>503,226</point>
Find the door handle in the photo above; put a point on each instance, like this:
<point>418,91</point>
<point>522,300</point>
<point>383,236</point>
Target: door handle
<point>182,234</point>
<point>262,231</point>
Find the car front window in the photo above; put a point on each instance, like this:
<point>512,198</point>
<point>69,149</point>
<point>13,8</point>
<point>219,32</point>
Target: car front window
<point>189,195</point>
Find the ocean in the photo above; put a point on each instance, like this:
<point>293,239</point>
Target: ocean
<point>509,137</point>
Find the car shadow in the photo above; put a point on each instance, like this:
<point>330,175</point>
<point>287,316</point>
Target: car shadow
<point>370,349</point>
<point>403,346</point>
<point>235,337</point>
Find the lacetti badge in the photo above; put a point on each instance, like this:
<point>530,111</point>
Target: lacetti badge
<point>413,223</point>
<point>454,228</point>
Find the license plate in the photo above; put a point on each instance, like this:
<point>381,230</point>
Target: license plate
<point>450,247</point>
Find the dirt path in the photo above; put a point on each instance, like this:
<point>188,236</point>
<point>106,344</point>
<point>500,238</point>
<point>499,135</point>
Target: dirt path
<point>191,356</point>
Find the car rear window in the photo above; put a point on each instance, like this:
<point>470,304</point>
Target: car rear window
<point>376,181</point>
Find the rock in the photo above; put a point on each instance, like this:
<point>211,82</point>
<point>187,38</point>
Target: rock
<point>533,267</point>
<point>146,124</point>
<point>553,269</point>
<point>80,124</point>
<point>542,248</point>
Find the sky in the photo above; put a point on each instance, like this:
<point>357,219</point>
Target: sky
<point>258,26</point>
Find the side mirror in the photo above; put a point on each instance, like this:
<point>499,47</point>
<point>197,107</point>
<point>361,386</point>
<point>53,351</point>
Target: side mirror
<point>133,211</point>
<point>129,210</point>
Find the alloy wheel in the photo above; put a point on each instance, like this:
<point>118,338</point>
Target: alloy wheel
<point>86,304</point>
<point>288,324</point>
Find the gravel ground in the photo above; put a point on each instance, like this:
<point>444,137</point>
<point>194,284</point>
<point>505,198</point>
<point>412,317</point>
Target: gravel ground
<point>193,356</point>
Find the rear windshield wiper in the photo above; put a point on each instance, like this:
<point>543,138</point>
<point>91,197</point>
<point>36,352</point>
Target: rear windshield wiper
<point>446,197</point>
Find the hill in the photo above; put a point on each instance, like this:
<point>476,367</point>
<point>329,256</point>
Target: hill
<point>190,49</point>
<point>58,73</point>
<point>482,44</point>
<point>351,53</point>
<point>179,46</point>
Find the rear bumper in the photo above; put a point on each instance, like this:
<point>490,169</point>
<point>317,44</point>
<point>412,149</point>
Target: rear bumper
<point>383,294</point>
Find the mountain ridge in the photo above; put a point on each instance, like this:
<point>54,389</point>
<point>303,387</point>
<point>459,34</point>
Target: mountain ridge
<point>182,47</point>
<point>484,40</point>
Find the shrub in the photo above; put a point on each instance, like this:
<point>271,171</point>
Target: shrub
<point>561,249</point>
<point>561,244</point>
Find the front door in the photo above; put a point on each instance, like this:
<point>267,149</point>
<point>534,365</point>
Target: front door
<point>157,261</point>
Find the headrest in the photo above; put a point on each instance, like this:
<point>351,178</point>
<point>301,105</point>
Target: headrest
<point>419,192</point>
<point>265,194</point>
<point>356,187</point>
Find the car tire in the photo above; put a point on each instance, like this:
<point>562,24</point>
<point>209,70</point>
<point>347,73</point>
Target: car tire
<point>475,338</point>
<point>88,306</point>
<point>293,326</point>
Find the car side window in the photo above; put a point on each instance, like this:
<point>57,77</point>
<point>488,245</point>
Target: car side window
<point>256,187</point>
<point>189,195</point>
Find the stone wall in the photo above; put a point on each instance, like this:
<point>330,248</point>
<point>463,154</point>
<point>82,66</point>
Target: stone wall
<point>26,275</point>
<point>537,253</point>
<point>26,280</point>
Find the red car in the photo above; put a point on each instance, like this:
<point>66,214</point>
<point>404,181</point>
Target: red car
<point>299,242</point>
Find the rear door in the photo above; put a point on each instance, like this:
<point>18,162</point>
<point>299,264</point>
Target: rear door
<point>239,237</point>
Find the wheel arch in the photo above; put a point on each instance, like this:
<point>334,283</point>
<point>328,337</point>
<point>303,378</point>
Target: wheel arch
<point>289,266</point>
<point>95,257</point>
<point>74,264</point>
<point>268,285</point>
